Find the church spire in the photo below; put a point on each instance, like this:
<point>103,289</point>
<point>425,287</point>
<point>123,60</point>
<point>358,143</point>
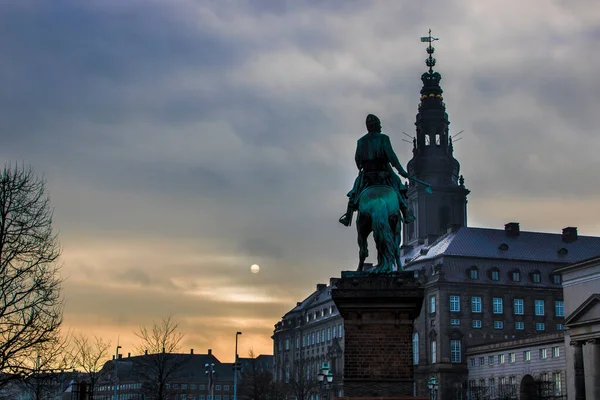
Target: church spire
<point>430,61</point>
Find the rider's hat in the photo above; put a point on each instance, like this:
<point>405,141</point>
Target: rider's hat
<point>373,122</point>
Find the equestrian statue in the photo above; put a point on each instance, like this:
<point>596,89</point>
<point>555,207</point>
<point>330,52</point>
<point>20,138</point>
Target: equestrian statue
<point>380,198</point>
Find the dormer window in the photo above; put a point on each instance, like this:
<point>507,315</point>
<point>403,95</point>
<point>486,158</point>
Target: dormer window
<point>536,277</point>
<point>556,279</point>
<point>495,274</point>
<point>473,273</point>
<point>516,276</point>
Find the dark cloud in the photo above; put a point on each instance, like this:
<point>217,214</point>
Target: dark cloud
<point>184,141</point>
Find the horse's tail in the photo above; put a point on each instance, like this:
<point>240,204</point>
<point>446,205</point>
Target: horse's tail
<point>382,232</point>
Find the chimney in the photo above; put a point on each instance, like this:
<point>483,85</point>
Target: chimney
<point>145,352</point>
<point>512,229</point>
<point>210,352</point>
<point>191,351</point>
<point>298,304</point>
<point>113,356</point>
<point>569,234</point>
<point>128,355</point>
<point>321,286</point>
<point>120,356</point>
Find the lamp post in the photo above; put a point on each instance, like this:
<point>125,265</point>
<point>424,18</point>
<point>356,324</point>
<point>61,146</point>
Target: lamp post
<point>117,372</point>
<point>432,385</point>
<point>325,377</point>
<point>209,370</point>
<point>235,366</point>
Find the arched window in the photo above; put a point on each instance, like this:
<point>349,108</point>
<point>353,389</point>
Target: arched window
<point>437,139</point>
<point>415,342</point>
<point>495,274</point>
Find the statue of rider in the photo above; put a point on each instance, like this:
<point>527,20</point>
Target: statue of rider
<point>375,158</point>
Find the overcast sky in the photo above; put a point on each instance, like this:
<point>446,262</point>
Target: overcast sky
<point>183,141</point>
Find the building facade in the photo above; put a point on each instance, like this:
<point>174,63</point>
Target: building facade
<point>581,283</point>
<point>308,337</point>
<point>533,368</point>
<point>189,380</point>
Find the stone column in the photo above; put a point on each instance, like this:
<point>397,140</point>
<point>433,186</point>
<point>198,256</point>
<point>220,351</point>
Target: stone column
<point>378,313</point>
<point>579,371</point>
<point>591,361</point>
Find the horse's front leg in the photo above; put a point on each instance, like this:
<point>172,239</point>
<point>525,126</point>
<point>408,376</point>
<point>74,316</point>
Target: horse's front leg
<point>363,246</point>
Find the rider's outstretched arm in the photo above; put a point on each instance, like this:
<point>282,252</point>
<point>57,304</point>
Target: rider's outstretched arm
<point>392,158</point>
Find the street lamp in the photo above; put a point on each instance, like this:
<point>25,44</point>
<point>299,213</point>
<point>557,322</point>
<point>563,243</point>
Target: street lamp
<point>325,377</point>
<point>235,367</point>
<point>209,370</point>
<point>117,372</point>
<point>432,385</point>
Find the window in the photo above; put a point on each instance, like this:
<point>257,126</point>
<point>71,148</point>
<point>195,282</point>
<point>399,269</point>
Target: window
<point>455,353</point>
<point>543,354</point>
<point>201,397</point>
<point>455,321</point>
<point>501,358</point>
<point>555,351</point>
<point>225,397</point>
<point>495,275</point>
<point>481,361</point>
<point>175,386</point>
<point>560,327</point>
<point>287,343</point>
<point>556,279</point>
<point>312,338</point>
<point>536,277</point>
<point>477,323</point>
<point>498,324</point>
<point>184,386</point>
<point>559,308</point>
<point>433,351</point>
<point>323,335</point>
<point>476,304</point>
<point>519,326</point>
<point>474,273</point>
<point>201,387</point>
<point>226,388</point>
<point>454,303</point>
<point>472,362</point>
<point>329,334</point>
<point>303,340</point>
<point>217,387</point>
<point>431,304</point>
<point>497,307</point>
<point>540,326</point>
<point>556,378</point>
<point>492,388</point>
<point>527,355</point>
<point>490,360</point>
<point>512,357</point>
<point>516,276</point>
<point>415,342</point>
<point>335,331</point>
<point>218,397</point>
<point>193,387</point>
<point>340,330</point>
<point>297,342</point>
<point>519,306</point>
<point>318,338</point>
<point>539,307</point>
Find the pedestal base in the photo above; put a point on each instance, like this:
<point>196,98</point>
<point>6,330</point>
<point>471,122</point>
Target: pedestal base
<point>378,312</point>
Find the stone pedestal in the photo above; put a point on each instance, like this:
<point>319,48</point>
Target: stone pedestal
<point>378,312</point>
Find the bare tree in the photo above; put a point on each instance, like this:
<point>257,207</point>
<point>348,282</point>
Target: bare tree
<point>90,356</point>
<point>257,382</point>
<point>162,363</point>
<point>301,385</point>
<point>30,304</point>
<point>47,366</point>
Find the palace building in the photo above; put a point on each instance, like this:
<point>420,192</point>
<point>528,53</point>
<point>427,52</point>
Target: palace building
<point>482,285</point>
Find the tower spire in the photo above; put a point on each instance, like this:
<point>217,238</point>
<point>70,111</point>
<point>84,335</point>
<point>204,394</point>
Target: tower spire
<point>430,61</point>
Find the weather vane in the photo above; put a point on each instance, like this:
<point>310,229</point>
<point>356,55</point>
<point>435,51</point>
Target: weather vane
<point>430,62</point>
